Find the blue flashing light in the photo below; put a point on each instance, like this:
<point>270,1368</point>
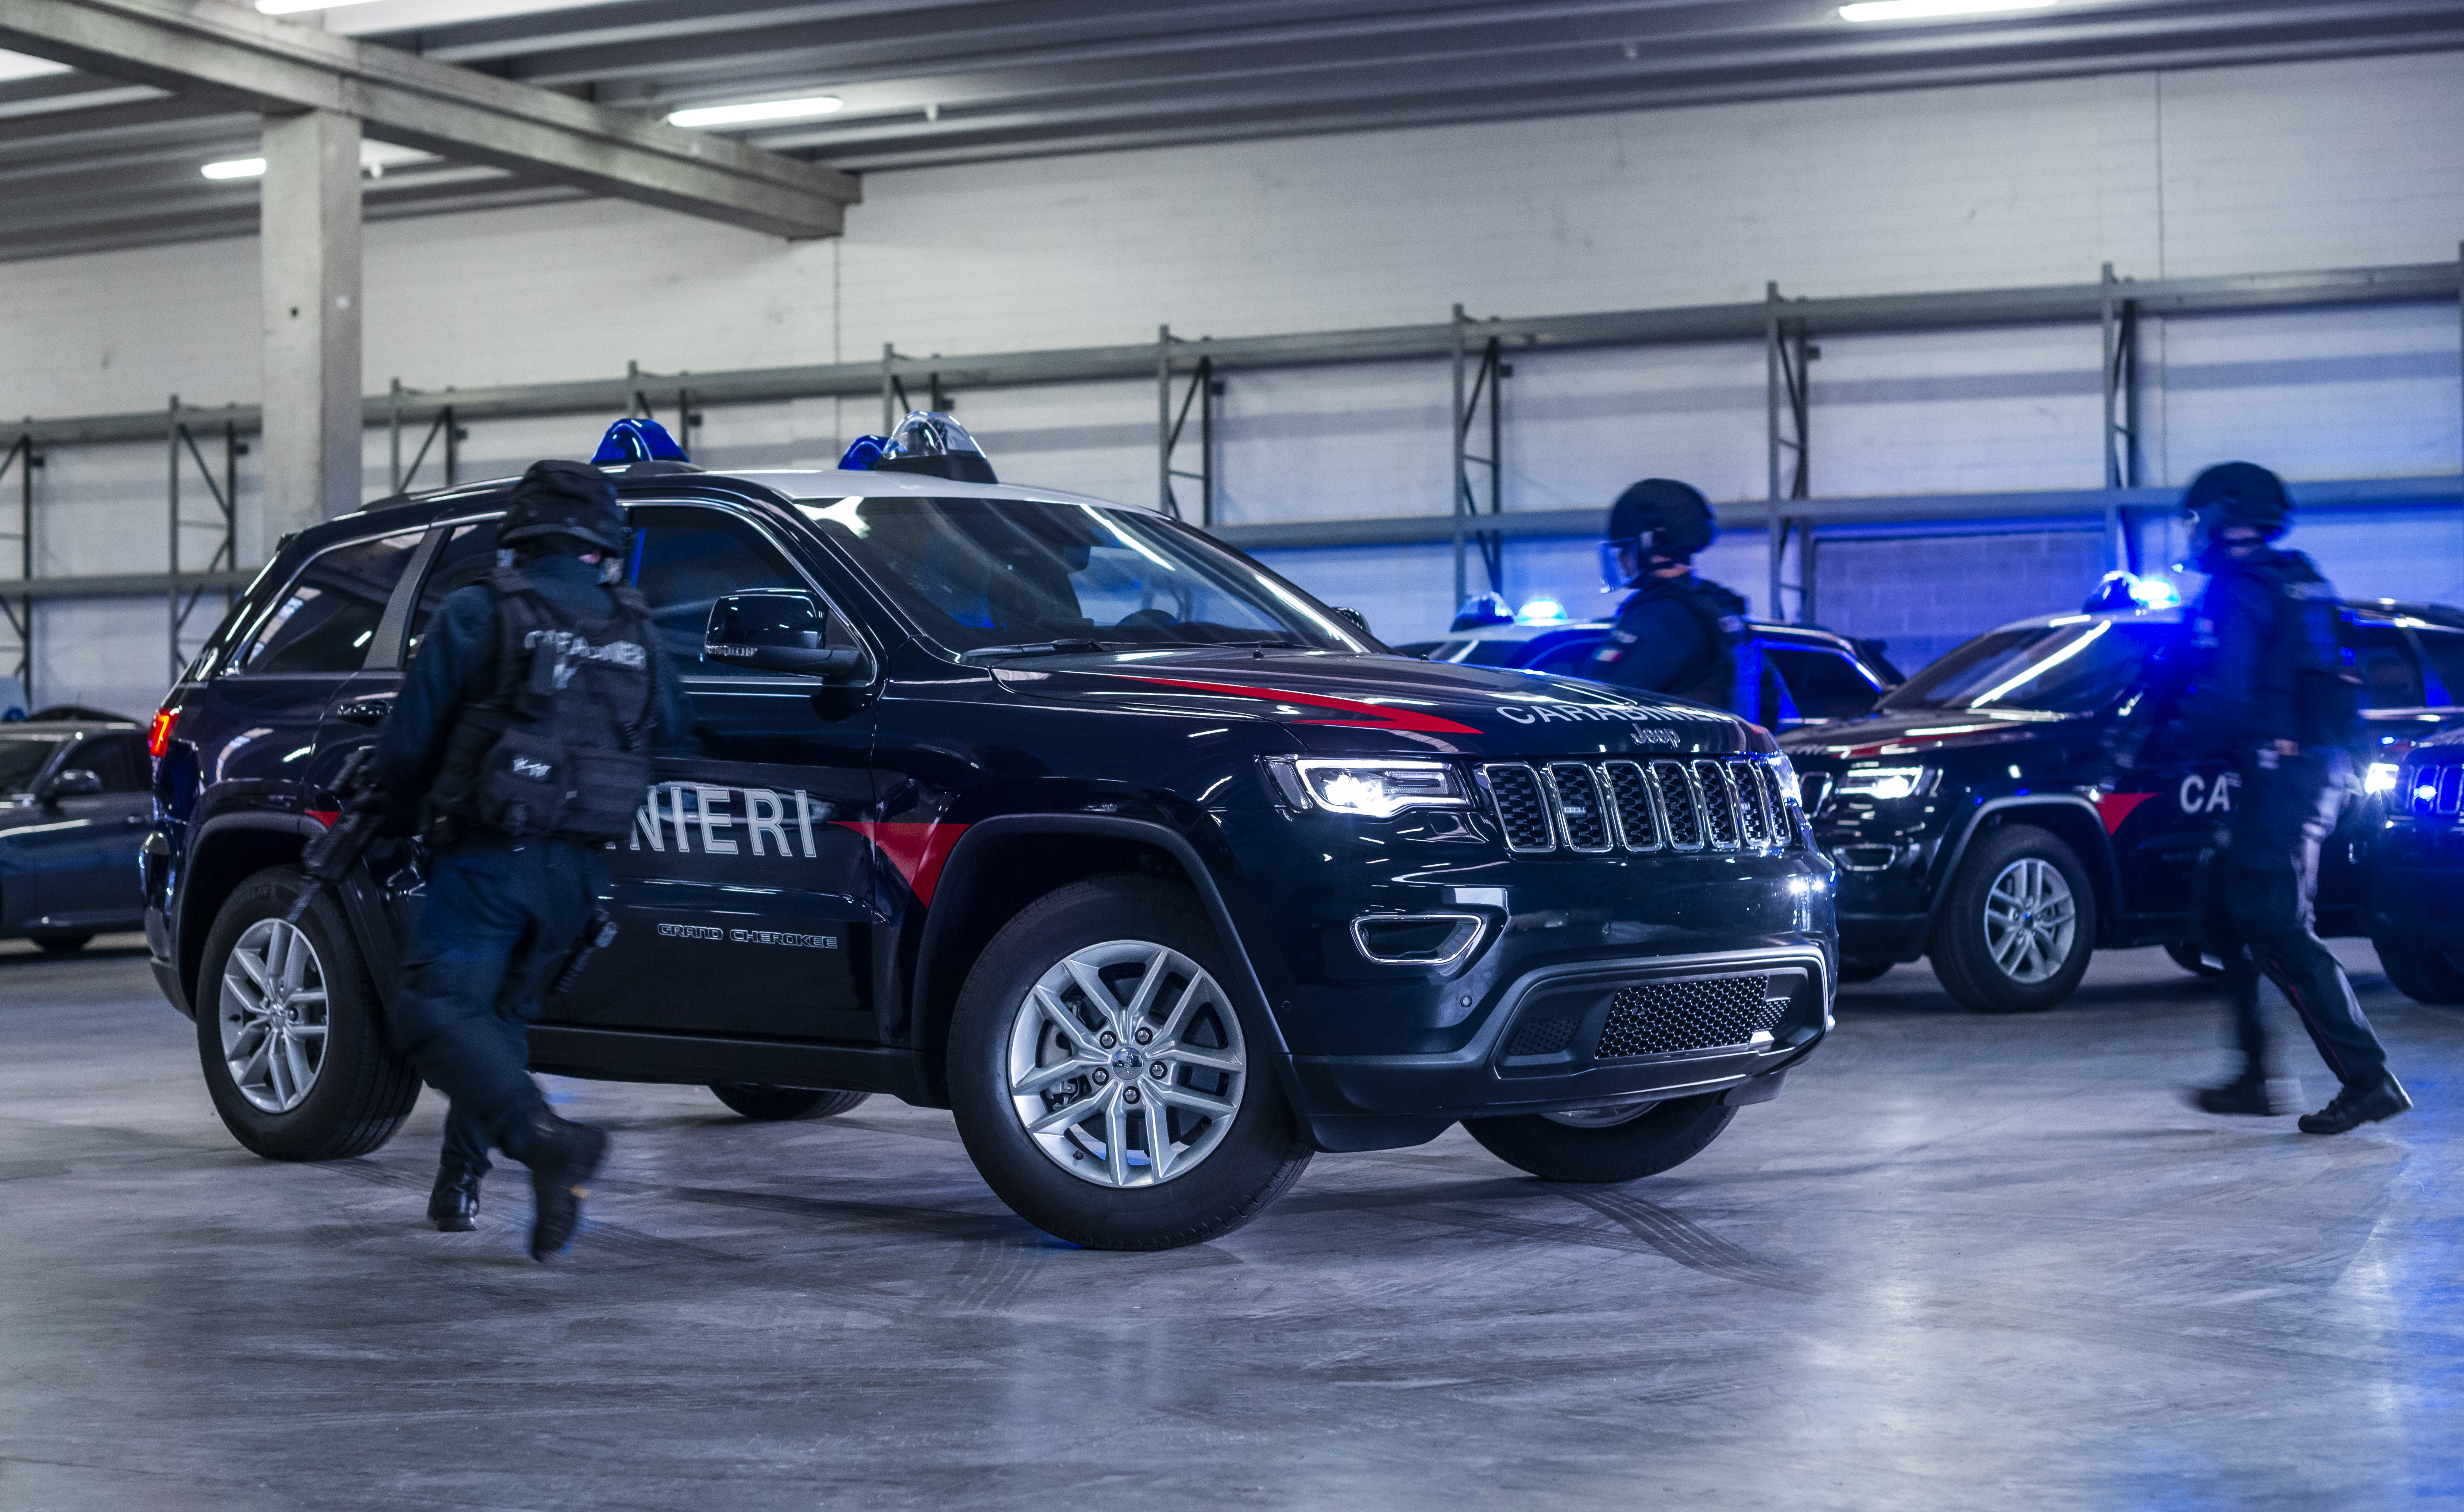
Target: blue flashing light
<point>860,454</point>
<point>2128,593</point>
<point>632,440</point>
<point>1542,611</point>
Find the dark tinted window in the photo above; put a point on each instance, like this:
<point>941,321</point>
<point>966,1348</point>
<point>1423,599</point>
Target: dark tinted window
<point>2073,667</point>
<point>2389,679</point>
<point>117,759</point>
<point>1566,655</point>
<point>466,558</point>
<point>22,759</point>
<point>686,559</point>
<point>1824,685</point>
<point>324,620</point>
<point>2445,650</point>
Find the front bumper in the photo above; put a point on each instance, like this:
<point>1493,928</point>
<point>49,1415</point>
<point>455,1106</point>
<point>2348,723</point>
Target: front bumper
<point>1578,1035</point>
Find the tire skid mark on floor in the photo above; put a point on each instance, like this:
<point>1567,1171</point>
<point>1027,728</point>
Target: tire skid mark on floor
<point>945,1221</point>
<point>1689,1244</point>
<point>992,1273</point>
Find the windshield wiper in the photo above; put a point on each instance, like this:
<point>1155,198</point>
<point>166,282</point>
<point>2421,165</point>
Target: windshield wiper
<point>1042,648</point>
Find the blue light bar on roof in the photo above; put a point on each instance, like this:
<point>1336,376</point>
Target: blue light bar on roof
<point>632,440</point>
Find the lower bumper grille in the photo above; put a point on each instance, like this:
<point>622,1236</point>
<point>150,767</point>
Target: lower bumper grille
<point>1659,1017</point>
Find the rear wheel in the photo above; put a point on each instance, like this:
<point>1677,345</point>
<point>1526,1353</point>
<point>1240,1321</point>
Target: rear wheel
<point>764,1104</point>
<point>288,1029</point>
<point>2423,973</point>
<point>1106,1081</point>
<point>2019,923</point>
<point>1605,1145</point>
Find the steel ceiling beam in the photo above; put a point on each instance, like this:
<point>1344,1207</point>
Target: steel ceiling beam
<point>231,52</point>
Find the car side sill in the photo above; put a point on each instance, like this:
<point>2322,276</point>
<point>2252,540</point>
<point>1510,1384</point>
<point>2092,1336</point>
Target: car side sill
<point>625,1054</point>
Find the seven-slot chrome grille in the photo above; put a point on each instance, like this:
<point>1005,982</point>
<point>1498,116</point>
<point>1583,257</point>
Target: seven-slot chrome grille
<point>1683,804</point>
<point>2434,791</point>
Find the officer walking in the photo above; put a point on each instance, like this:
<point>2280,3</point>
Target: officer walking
<point>2267,689</point>
<point>520,740</point>
<point>1676,633</point>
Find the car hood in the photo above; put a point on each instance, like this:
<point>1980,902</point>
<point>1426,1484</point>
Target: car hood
<point>1336,702</point>
<point>1916,732</point>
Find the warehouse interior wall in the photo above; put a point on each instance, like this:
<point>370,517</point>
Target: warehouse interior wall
<point>2218,171</point>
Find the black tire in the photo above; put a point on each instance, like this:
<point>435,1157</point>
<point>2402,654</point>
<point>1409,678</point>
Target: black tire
<point>1965,961</point>
<point>1250,1155</point>
<point>2423,973</point>
<point>1666,1136</point>
<point>2188,955</point>
<point>360,1091</point>
<point>1852,970</point>
<point>62,944</point>
<point>764,1104</point>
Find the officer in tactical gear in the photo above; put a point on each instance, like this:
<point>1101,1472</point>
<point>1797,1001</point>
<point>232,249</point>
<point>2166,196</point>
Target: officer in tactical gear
<point>1676,633</point>
<point>2266,685</point>
<point>519,746</point>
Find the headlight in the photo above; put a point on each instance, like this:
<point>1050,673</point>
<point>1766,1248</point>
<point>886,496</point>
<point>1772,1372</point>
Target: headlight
<point>2380,778</point>
<point>1884,782</point>
<point>1373,789</point>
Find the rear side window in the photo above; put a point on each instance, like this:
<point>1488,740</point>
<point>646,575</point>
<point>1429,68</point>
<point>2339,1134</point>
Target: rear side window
<point>2389,678</point>
<point>2445,650</point>
<point>467,556</point>
<point>325,620</point>
<point>1824,685</point>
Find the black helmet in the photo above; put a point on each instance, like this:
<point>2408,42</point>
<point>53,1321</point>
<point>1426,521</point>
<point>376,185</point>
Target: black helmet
<point>573,499</point>
<point>2238,494</point>
<point>1660,520</point>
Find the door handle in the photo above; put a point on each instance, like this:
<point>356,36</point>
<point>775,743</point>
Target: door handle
<point>365,712</point>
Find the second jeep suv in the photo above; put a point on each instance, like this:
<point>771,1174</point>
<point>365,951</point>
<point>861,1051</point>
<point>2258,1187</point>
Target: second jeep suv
<point>1051,811</point>
<point>1966,819</point>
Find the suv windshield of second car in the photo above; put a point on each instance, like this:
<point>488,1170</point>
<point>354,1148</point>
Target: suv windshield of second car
<point>988,575</point>
<point>2066,668</point>
<point>22,759</point>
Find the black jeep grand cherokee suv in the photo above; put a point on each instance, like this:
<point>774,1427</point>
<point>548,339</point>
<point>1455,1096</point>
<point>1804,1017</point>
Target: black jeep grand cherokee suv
<point>1968,826</point>
<point>1050,811</point>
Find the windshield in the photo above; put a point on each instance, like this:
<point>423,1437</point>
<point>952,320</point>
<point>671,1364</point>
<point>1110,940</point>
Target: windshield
<point>979,574</point>
<point>2066,669</point>
<point>22,759</point>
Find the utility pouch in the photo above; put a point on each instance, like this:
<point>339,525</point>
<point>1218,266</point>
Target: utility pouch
<point>604,794</point>
<point>525,784</point>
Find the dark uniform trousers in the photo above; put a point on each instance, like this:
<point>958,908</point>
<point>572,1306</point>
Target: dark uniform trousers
<point>2255,911</point>
<point>502,916</point>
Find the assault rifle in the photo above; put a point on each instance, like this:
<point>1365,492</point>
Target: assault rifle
<point>329,857</point>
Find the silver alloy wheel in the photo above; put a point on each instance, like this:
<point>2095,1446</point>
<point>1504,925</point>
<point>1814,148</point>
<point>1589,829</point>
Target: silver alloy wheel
<point>2030,920</point>
<point>1124,1064</point>
<point>274,1016</point>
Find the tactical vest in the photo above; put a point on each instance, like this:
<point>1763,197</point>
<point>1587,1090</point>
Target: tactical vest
<point>559,748</point>
<point>2310,628</point>
<point>1722,615</point>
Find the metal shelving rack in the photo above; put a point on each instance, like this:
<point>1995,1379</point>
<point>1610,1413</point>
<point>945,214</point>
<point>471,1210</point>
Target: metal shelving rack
<point>1191,373</point>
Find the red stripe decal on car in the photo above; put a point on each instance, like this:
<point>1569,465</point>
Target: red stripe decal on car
<point>1380,717</point>
<point>2114,807</point>
<point>918,851</point>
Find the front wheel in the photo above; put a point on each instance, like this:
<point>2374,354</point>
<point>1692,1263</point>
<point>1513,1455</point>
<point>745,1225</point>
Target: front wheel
<point>2019,923</point>
<point>288,1029</point>
<point>2423,973</point>
<point>1104,1078</point>
<point>764,1104</point>
<point>1604,1145</point>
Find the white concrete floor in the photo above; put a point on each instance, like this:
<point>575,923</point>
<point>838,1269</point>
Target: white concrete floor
<point>1963,1262</point>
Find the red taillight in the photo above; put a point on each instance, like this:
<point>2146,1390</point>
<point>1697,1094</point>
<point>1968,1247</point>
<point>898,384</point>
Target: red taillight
<point>158,738</point>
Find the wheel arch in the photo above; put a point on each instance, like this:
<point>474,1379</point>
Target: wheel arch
<point>228,850</point>
<point>2069,818</point>
<point>1001,864</point>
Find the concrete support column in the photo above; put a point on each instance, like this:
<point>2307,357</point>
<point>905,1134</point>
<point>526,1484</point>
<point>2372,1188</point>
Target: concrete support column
<point>310,262</point>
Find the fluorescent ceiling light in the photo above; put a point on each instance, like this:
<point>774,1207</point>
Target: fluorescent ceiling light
<point>18,65</point>
<point>292,7</point>
<point>235,168</point>
<point>1923,9</point>
<point>375,157</point>
<point>755,114</point>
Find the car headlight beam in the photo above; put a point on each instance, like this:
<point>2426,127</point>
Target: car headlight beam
<point>1884,784</point>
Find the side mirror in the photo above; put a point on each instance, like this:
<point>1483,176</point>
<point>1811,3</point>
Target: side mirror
<point>74,782</point>
<point>777,630</point>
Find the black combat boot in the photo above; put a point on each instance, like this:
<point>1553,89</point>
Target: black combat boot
<point>2364,1100</point>
<point>2249,1093</point>
<point>562,1156</point>
<point>453,1206</point>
